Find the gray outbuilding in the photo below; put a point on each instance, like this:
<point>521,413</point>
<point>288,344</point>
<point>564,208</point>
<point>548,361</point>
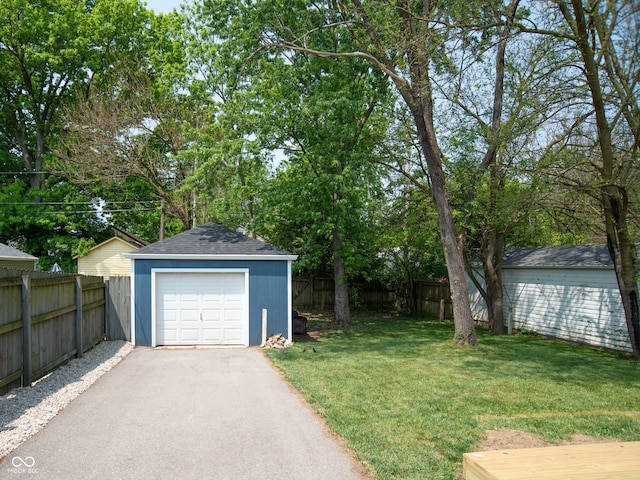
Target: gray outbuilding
<point>15,259</point>
<point>566,292</point>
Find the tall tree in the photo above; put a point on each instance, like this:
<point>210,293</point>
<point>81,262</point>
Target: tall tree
<point>49,52</point>
<point>231,153</point>
<point>131,129</point>
<point>403,40</point>
<point>317,112</point>
<point>606,34</point>
<point>132,136</point>
<point>330,129</point>
<point>501,87</point>
<point>46,50</point>
<point>596,153</point>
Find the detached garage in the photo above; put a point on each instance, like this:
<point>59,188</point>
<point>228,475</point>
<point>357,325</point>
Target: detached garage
<point>567,292</point>
<point>209,286</point>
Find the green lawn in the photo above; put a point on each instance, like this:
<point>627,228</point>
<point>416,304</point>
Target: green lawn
<point>410,403</point>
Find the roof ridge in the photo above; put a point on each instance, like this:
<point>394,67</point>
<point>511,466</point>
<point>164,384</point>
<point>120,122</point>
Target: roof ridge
<point>130,236</point>
<point>211,239</point>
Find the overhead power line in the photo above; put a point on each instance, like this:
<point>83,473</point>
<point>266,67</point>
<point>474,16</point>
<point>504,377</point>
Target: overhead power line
<point>69,212</point>
<point>100,205</point>
<point>27,173</point>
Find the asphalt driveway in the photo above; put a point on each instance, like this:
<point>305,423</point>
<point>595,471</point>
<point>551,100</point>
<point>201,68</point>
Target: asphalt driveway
<point>183,414</point>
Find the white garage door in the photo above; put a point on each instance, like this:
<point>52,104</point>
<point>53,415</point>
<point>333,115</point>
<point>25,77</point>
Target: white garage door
<point>201,308</point>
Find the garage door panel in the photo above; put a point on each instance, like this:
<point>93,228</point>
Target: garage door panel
<point>189,335</point>
<point>233,313</point>
<point>233,297</point>
<point>213,295</point>
<point>233,336</point>
<point>169,296</point>
<point>189,314</point>
<point>212,335</point>
<point>211,316</point>
<point>201,308</point>
<point>170,315</point>
<point>169,336</point>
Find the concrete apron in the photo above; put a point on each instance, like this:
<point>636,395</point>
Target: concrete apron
<point>183,414</point>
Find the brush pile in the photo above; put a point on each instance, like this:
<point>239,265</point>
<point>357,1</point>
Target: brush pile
<point>277,341</point>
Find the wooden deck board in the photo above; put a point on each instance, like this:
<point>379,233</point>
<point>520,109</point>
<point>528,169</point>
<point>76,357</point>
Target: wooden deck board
<point>598,461</point>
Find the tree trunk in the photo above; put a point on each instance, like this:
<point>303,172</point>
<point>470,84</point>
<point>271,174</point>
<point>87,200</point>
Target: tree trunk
<point>341,312</point>
<point>623,252</point>
<point>453,252</point>
<point>418,96</point>
<point>412,297</point>
<point>492,252</point>
<point>416,43</point>
<point>493,241</point>
<point>422,111</point>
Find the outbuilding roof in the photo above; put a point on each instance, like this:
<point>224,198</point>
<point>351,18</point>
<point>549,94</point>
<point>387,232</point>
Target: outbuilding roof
<point>578,256</point>
<point>129,237</point>
<point>211,241</point>
<point>8,252</point>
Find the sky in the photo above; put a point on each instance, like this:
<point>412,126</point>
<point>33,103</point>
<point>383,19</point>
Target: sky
<point>163,6</point>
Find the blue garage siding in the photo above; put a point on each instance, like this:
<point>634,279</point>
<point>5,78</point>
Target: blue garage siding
<point>267,289</point>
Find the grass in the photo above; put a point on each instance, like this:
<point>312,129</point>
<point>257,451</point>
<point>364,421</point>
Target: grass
<point>410,403</point>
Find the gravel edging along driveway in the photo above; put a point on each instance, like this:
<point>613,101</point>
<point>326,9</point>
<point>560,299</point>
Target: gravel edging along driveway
<point>25,411</point>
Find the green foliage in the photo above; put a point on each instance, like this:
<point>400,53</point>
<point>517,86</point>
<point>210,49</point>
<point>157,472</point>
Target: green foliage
<point>202,117</point>
<point>61,225</point>
<point>328,126</point>
<point>49,53</point>
<point>409,242</point>
<point>319,116</point>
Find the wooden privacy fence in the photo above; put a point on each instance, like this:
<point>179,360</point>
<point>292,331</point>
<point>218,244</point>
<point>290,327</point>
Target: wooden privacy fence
<point>432,298</point>
<point>318,292</point>
<point>118,308</point>
<point>45,320</point>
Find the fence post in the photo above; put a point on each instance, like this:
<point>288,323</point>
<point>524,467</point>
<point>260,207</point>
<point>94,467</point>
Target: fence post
<point>264,327</point>
<point>107,308</point>
<point>79,345</point>
<point>26,331</point>
<point>313,295</point>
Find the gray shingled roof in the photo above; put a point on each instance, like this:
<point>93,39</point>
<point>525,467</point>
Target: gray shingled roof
<point>9,252</point>
<point>579,256</point>
<point>209,239</point>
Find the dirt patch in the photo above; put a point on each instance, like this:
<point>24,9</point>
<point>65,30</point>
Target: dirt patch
<point>506,438</point>
<point>315,334</point>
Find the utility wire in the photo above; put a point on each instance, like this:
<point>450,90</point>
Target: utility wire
<point>27,173</point>
<point>81,203</point>
<point>68,212</point>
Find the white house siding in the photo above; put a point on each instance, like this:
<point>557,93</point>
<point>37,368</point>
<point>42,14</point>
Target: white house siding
<point>478,305</point>
<point>577,304</point>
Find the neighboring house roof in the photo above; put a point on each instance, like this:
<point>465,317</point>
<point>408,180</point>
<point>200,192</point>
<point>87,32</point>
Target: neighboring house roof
<point>130,238</point>
<point>211,241</point>
<point>578,256</point>
<point>108,241</point>
<point>10,253</point>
